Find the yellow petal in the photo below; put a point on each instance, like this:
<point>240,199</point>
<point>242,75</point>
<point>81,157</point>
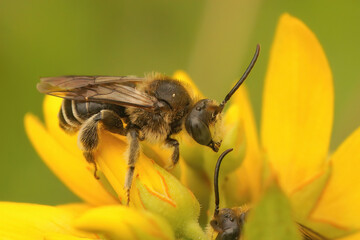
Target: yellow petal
<point>119,222</point>
<point>57,236</point>
<point>75,173</point>
<point>339,204</point>
<point>234,138</point>
<point>355,236</point>
<point>305,199</point>
<point>77,208</point>
<point>248,175</point>
<point>297,104</point>
<point>153,188</point>
<point>200,185</point>
<point>112,160</point>
<point>158,152</point>
<point>51,107</point>
<point>31,221</point>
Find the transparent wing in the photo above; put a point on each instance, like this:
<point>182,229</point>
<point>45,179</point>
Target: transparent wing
<point>71,82</point>
<point>119,90</point>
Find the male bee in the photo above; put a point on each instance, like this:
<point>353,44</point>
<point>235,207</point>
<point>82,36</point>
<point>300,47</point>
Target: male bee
<point>229,222</point>
<point>153,108</point>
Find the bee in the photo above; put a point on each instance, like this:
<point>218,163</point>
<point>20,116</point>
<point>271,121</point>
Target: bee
<point>229,222</point>
<point>153,108</point>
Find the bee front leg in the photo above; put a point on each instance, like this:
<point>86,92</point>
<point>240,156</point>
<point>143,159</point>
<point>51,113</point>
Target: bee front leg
<point>134,153</point>
<point>170,142</point>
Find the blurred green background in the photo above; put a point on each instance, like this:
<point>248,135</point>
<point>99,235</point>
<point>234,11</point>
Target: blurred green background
<point>212,40</point>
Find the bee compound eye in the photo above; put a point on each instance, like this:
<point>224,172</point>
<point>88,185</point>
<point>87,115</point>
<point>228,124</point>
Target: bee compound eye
<point>198,130</point>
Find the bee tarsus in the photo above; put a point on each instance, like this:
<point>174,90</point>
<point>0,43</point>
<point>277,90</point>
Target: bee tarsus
<point>90,159</point>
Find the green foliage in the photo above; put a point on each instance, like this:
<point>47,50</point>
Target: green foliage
<point>271,218</point>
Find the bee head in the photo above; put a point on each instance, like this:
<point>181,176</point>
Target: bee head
<point>201,123</point>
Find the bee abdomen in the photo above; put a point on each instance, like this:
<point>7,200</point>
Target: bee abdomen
<point>67,121</point>
<point>74,113</point>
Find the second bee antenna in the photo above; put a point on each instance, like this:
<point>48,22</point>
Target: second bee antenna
<point>216,177</point>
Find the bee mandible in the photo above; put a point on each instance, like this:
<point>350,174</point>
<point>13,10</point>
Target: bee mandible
<point>153,108</point>
<point>229,222</point>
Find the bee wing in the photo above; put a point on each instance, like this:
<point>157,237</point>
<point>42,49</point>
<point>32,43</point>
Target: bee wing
<point>107,89</point>
<point>72,82</point>
<point>309,234</point>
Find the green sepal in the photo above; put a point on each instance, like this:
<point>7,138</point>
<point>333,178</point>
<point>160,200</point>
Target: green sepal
<point>181,210</point>
<point>271,218</point>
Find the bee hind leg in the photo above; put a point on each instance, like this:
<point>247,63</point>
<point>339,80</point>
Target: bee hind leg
<point>88,136</point>
<point>134,153</point>
<point>170,142</point>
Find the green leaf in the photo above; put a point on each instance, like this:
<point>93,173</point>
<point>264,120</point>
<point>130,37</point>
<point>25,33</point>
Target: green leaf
<point>271,218</point>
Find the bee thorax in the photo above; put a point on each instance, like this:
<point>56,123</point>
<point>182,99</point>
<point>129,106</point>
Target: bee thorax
<point>154,127</point>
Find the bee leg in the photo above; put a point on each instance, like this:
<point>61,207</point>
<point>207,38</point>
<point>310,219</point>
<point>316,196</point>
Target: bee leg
<point>112,122</point>
<point>175,155</point>
<point>88,139</point>
<point>134,153</point>
<point>88,136</point>
<point>89,156</point>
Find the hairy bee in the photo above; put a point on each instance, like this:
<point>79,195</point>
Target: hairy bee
<point>153,108</point>
<point>229,222</point>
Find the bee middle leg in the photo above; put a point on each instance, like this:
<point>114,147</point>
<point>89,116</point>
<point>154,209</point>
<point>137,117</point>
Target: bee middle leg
<point>134,153</point>
<point>176,153</point>
<point>88,138</point>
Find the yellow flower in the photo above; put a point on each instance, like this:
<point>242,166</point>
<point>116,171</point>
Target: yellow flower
<point>295,135</point>
<point>296,124</point>
<point>154,189</point>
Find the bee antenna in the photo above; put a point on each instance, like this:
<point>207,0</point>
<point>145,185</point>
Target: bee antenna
<point>216,177</point>
<point>242,79</point>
